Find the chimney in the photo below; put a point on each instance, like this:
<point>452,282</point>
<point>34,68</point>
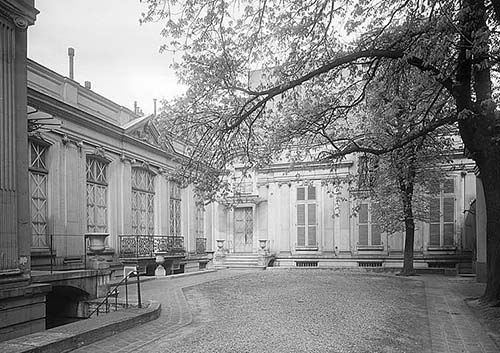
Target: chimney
<point>135,107</point>
<point>71,54</point>
<point>154,106</point>
<point>88,85</point>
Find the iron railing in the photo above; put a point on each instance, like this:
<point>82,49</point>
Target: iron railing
<point>114,293</point>
<point>201,245</point>
<point>137,246</point>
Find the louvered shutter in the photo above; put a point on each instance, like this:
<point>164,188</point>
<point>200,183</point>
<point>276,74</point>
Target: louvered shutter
<point>363,224</point>
<point>301,225</point>
<point>311,222</point>
<point>448,220</point>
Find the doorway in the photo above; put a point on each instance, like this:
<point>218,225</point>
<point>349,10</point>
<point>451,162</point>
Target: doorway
<point>243,229</point>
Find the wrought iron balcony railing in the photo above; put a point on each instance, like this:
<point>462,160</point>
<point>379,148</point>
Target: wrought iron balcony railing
<point>136,246</point>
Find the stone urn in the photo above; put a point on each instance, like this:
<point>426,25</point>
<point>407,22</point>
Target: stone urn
<point>220,244</point>
<point>96,245</point>
<point>96,242</point>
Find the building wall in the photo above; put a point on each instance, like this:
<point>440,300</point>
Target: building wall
<point>274,199</point>
<point>92,126</point>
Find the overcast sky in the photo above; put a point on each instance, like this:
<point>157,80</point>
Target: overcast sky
<point>112,50</point>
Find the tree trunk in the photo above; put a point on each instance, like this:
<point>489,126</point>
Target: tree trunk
<point>490,177</point>
<point>409,239</point>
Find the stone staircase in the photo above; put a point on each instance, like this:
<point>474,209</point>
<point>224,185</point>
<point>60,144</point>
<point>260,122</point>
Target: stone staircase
<point>241,260</point>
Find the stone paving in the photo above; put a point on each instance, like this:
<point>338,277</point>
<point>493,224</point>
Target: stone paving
<point>450,326</point>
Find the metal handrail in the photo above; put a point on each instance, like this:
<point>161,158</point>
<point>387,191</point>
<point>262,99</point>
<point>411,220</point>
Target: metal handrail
<point>114,292</point>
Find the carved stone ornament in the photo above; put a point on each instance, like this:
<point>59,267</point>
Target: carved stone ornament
<point>20,22</point>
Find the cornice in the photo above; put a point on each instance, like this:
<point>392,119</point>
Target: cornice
<point>21,12</point>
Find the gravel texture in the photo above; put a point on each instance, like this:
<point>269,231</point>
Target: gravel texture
<point>305,311</point>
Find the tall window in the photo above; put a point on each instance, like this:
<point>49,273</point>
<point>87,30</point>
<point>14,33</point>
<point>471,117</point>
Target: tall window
<point>143,195</point>
<point>175,209</point>
<point>200,220</point>
<point>368,229</point>
<point>442,216</point>
<point>97,195</point>
<point>38,190</point>
<point>306,216</point>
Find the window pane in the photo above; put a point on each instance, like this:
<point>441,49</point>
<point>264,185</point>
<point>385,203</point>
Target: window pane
<point>449,234</point>
<point>363,234</point>
<point>301,214</point>
<point>301,236</point>
<point>301,194</point>
<point>448,209</point>
<point>376,239</point>
<point>434,235</point>
<point>363,213</point>
<point>311,214</point>
<point>311,236</point>
<point>311,193</point>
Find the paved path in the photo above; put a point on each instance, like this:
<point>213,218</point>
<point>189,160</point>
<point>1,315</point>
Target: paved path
<point>453,326</point>
<point>175,314</point>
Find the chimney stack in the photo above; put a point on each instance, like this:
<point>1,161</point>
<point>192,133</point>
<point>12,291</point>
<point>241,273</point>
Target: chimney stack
<point>88,85</point>
<point>71,54</point>
<point>135,107</point>
<point>154,106</point>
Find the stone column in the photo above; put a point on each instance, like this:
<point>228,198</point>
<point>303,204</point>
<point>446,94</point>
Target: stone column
<point>15,226</point>
<point>22,304</point>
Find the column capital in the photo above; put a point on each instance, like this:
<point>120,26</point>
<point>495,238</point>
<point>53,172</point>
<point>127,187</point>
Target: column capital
<point>21,12</point>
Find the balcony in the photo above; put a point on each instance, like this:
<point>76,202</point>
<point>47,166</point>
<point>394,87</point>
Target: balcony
<point>147,246</point>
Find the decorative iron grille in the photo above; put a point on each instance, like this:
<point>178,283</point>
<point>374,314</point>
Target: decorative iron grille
<point>136,246</point>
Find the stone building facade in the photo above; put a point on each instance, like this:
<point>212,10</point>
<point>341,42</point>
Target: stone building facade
<point>97,167</point>
<point>310,223</point>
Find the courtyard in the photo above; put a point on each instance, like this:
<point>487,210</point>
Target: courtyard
<point>308,311</point>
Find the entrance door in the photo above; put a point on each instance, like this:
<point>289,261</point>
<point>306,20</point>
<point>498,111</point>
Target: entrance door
<point>243,229</point>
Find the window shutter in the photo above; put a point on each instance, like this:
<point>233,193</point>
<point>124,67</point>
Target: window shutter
<point>301,194</point>
<point>311,193</point>
<point>449,209</point>
<point>376,239</point>
<point>311,236</point>
<point>311,214</point>
<point>434,211</point>
<point>434,235</point>
<point>363,213</point>
<point>301,214</point>
<point>449,186</point>
<point>301,236</point>
<point>363,234</point>
<point>449,230</point>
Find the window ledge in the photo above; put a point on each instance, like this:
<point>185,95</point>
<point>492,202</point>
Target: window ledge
<point>306,248</point>
<point>441,248</point>
<point>370,248</point>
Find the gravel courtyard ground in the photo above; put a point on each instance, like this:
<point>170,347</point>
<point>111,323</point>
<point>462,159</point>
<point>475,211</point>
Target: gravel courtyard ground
<point>306,311</point>
<point>311,310</point>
